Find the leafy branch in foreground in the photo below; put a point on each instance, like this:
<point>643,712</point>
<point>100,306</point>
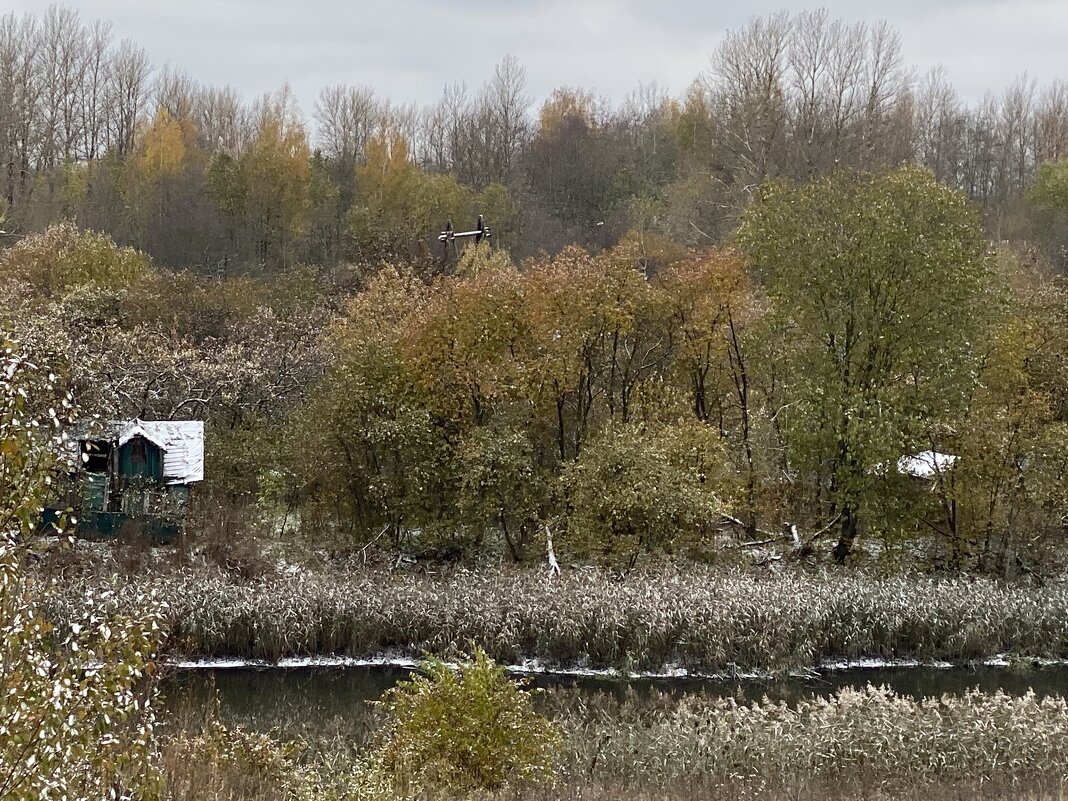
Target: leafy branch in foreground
<point>76,715</point>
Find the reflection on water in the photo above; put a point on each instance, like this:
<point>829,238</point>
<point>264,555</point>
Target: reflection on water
<point>334,701</point>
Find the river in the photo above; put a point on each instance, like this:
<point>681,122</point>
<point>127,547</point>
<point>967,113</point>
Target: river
<point>299,701</point>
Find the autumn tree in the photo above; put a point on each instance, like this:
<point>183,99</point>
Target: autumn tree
<point>372,454</point>
<point>398,207</point>
<point>886,285</point>
<point>275,176</point>
<point>1000,508</point>
<point>164,185</point>
<point>569,162</point>
<point>463,344</point>
<point>713,314</point>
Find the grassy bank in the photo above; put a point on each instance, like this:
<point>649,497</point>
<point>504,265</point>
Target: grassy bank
<point>702,620</point>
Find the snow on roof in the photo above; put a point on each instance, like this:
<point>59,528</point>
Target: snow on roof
<point>137,429</point>
<point>182,443</point>
<point>925,464</point>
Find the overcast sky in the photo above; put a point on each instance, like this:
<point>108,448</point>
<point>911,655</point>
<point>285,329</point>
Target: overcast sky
<point>409,49</point>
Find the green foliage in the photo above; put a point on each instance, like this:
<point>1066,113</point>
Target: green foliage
<point>368,445</point>
<point>1051,185</point>
<point>502,213</point>
<point>76,719</point>
<point>502,484</point>
<point>32,440</point>
<point>324,214</point>
<point>459,404</point>
<point>1006,499</point>
<point>227,185</point>
<point>635,489</point>
<point>275,177</point>
<point>399,207</point>
<point>464,729</point>
<point>885,288</point>
<point>64,257</point>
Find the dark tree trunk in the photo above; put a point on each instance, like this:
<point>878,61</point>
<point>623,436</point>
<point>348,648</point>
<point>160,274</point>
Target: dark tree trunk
<point>848,535</point>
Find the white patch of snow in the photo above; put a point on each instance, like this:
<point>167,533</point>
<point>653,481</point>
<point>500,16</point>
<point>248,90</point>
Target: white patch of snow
<point>532,667</point>
<point>925,464</point>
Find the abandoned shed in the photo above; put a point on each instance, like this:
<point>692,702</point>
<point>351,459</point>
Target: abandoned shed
<point>136,473</point>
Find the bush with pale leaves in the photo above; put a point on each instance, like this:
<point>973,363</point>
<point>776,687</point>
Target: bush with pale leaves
<point>76,714</point>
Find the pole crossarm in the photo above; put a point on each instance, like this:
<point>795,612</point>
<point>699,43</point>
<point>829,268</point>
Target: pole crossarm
<point>479,233</point>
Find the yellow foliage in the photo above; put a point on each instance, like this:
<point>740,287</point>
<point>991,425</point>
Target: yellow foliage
<point>164,146</point>
<point>568,105</point>
<point>398,205</point>
<point>276,174</point>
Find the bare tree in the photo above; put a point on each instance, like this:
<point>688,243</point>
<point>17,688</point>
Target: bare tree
<point>128,89</point>
<point>222,120</point>
<point>20,97</point>
<point>509,108</point>
<point>347,116</point>
<point>747,81</point>
<point>176,91</point>
<point>61,56</point>
<point>1017,162</point>
<point>434,138</point>
<point>403,121</point>
<point>888,83</point>
<point>95,71</point>
<point>1051,123</point>
<point>809,68</point>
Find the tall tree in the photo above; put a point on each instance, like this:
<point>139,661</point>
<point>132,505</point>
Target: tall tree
<point>886,284</point>
<point>276,175</point>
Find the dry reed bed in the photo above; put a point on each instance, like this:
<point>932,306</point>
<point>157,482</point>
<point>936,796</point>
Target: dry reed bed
<point>868,743</point>
<point>857,738</point>
<point>702,620</point>
<point>839,791</point>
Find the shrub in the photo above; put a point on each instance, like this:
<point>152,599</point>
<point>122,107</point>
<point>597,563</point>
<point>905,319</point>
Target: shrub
<point>64,257</point>
<point>635,489</point>
<point>458,730</point>
<point>76,718</point>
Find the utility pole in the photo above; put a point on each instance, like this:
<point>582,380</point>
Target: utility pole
<point>449,237</point>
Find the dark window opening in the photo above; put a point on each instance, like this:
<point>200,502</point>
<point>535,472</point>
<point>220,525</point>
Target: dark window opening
<point>95,455</point>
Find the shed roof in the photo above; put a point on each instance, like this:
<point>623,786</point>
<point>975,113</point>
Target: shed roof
<point>138,429</point>
<point>182,443</point>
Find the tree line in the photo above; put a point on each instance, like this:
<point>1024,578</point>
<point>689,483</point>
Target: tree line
<point>649,397</point>
<point>200,177</point>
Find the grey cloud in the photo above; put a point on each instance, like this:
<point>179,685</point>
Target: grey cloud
<point>409,49</point>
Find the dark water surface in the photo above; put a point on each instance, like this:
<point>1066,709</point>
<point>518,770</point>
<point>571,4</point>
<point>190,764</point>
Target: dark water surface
<point>314,700</point>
